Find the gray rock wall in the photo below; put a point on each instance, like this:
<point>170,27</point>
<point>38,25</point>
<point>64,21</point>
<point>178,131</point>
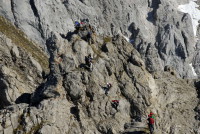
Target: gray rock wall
<point>20,73</point>
<point>152,24</point>
<point>72,99</point>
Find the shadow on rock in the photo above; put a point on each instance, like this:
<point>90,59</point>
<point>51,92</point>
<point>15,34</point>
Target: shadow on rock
<point>3,100</point>
<point>75,112</point>
<point>68,36</point>
<point>24,98</point>
<point>134,30</point>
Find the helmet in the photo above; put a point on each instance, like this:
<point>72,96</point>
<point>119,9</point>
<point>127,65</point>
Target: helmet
<point>76,23</point>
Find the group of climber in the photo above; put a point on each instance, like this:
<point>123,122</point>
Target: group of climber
<point>81,25</point>
<point>114,103</point>
<point>85,27</point>
<point>89,66</point>
<point>151,121</point>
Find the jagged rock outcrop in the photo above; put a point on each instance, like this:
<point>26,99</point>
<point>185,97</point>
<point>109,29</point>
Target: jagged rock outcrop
<point>61,93</point>
<point>197,58</point>
<point>71,99</point>
<point>162,34</point>
<point>20,73</point>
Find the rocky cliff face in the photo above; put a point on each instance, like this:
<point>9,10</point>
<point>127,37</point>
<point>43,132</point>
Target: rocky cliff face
<point>56,93</point>
<point>159,31</point>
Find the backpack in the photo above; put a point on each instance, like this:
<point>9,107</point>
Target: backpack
<point>153,116</point>
<point>151,120</point>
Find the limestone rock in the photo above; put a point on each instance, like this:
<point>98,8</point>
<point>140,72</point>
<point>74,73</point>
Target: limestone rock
<point>168,30</point>
<point>72,99</point>
<point>18,76</point>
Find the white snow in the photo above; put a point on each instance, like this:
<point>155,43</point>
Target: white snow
<point>127,39</point>
<point>192,10</point>
<point>194,73</point>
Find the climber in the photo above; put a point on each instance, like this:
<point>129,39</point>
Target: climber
<point>85,22</point>
<point>151,123</point>
<point>88,62</point>
<point>152,115</point>
<point>115,103</point>
<point>77,25</point>
<point>82,24</point>
<point>107,88</point>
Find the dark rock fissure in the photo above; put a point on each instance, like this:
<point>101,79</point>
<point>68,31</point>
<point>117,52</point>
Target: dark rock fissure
<point>3,100</point>
<point>158,44</point>
<point>35,11</point>
<point>152,15</point>
<point>185,41</point>
<point>13,12</point>
<point>71,98</point>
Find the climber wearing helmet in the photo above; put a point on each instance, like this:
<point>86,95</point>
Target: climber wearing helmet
<point>115,103</point>
<point>151,120</point>
<point>152,115</point>
<point>107,88</point>
<point>88,62</point>
<point>77,25</point>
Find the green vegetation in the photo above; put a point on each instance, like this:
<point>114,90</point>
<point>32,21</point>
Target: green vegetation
<point>19,127</point>
<point>19,39</point>
<point>36,128</point>
<point>97,52</point>
<point>33,130</point>
<point>107,39</point>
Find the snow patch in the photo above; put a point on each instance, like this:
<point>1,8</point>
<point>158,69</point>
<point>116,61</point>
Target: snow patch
<point>192,10</point>
<point>194,73</point>
<point>127,39</point>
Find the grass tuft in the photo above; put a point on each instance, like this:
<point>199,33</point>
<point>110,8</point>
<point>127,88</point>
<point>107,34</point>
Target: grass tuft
<point>20,39</point>
<point>107,39</point>
<point>97,52</point>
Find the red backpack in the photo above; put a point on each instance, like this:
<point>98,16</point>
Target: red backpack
<point>151,120</point>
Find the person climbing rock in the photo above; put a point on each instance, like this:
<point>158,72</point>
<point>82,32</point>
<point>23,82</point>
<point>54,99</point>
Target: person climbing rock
<point>151,123</point>
<point>77,25</point>
<point>107,88</point>
<point>115,103</point>
<point>152,115</point>
<point>88,62</point>
<point>84,24</point>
